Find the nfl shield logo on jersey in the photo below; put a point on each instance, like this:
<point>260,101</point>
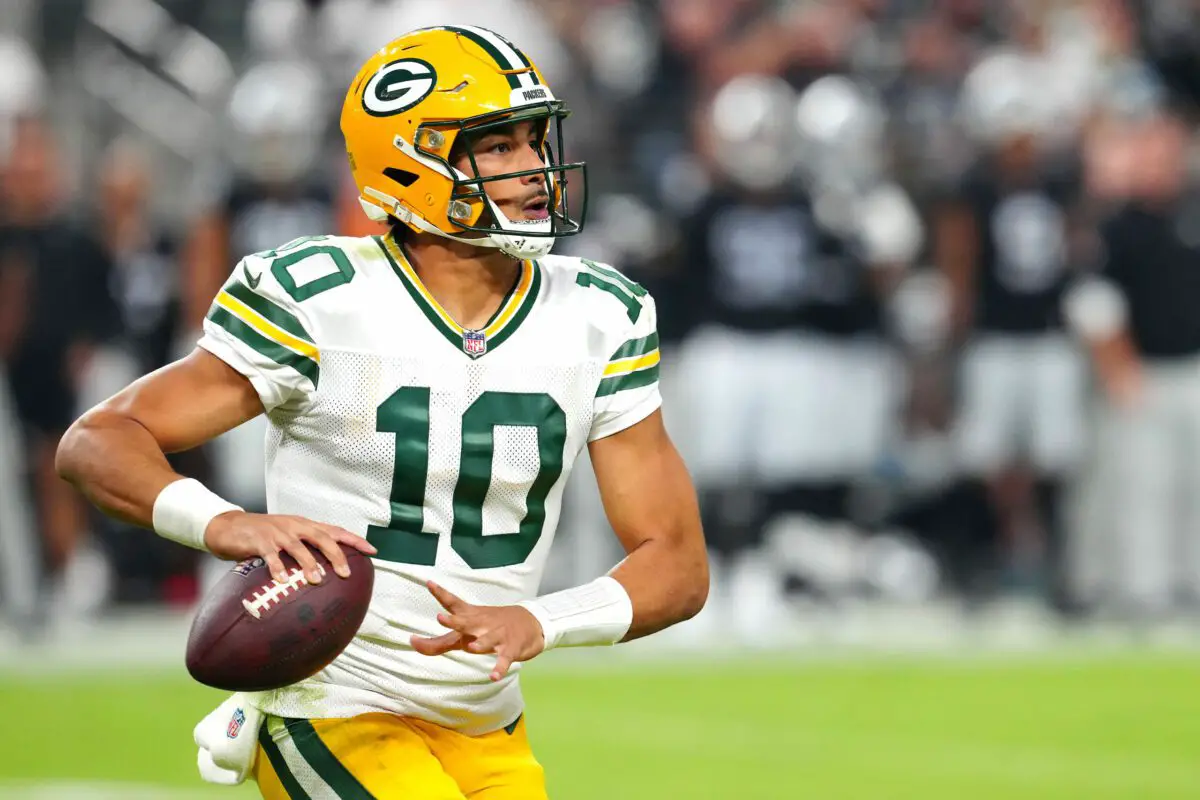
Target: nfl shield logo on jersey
<point>235,723</point>
<point>474,343</point>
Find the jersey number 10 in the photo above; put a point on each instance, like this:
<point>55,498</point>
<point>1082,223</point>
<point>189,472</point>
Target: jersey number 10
<point>406,413</point>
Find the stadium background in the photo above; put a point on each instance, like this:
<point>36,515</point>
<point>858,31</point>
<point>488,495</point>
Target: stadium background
<point>897,622</point>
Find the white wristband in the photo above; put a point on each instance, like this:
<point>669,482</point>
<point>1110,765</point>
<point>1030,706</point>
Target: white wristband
<point>597,613</point>
<point>183,510</point>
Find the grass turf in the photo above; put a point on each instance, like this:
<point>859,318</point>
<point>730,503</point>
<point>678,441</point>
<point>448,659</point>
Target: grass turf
<point>1116,727</point>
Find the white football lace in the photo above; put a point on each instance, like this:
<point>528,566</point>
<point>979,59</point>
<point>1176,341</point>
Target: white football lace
<point>275,591</point>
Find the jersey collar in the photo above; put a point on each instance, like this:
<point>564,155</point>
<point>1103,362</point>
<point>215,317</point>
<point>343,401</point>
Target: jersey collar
<point>474,343</point>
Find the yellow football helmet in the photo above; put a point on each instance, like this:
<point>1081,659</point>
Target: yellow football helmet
<point>408,106</point>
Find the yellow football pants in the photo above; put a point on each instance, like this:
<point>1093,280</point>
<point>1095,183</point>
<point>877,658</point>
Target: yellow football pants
<point>387,757</point>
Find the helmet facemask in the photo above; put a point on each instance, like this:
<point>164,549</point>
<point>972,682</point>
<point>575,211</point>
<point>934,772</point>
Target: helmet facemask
<point>474,212</point>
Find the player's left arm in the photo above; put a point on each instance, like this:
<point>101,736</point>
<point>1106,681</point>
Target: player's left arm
<point>651,504</point>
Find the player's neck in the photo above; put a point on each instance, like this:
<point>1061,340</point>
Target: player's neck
<point>468,282</point>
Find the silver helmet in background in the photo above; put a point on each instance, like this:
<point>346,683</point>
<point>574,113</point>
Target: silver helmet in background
<point>841,130</point>
<point>840,127</point>
<point>749,135</point>
<point>275,111</point>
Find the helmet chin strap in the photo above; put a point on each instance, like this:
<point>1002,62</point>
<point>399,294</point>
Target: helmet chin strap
<point>511,244</point>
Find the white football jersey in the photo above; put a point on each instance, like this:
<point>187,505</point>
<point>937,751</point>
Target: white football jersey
<point>447,449</point>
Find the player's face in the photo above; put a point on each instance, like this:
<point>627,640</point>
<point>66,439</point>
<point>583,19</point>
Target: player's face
<point>512,148</point>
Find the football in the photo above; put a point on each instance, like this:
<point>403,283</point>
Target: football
<point>252,632</point>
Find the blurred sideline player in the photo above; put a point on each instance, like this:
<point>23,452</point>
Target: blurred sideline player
<point>427,392</point>
<point>790,389</point>
<point>1137,556</point>
<point>1004,244</point>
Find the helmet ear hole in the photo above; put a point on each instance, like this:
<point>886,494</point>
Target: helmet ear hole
<point>401,176</point>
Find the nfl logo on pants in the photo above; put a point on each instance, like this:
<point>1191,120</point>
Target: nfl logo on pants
<point>474,343</point>
<point>235,723</point>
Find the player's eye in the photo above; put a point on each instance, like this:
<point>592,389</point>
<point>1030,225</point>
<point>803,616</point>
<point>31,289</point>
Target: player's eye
<point>500,148</point>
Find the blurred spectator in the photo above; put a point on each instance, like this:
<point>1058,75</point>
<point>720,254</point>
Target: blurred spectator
<point>20,96</point>
<point>60,277</point>
<point>1139,315</point>
<point>145,277</point>
<point>930,149</point>
<point>19,545</point>
<point>1003,242</point>
<point>145,286</point>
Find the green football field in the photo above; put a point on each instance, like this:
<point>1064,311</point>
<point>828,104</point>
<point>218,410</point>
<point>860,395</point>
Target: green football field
<point>1094,727</point>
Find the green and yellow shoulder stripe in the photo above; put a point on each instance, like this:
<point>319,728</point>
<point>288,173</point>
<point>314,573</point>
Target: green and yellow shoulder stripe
<point>634,364</point>
<point>266,326</point>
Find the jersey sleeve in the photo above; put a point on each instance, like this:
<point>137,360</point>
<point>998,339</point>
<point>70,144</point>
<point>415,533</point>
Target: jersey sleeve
<point>256,327</point>
<point>628,390</point>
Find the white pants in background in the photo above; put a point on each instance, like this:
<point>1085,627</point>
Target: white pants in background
<point>20,555</point>
<point>1150,491</point>
<point>1023,398</point>
<point>780,408</point>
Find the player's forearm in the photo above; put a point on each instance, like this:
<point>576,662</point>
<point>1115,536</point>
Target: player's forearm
<point>116,463</point>
<point>1118,366</point>
<point>667,583</point>
<point>955,248</point>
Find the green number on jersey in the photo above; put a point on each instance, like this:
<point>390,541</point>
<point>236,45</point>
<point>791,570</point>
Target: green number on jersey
<point>406,413</point>
<point>615,284</point>
<point>283,262</point>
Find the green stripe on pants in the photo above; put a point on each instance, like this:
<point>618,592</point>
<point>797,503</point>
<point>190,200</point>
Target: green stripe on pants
<point>325,763</point>
<point>286,778</point>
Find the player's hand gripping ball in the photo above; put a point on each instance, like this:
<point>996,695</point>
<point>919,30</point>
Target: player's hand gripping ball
<point>253,632</point>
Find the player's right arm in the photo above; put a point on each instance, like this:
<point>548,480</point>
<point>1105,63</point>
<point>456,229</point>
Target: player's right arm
<point>116,455</point>
<point>1098,311</point>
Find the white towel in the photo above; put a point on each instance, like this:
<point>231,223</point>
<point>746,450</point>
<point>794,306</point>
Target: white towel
<point>228,741</point>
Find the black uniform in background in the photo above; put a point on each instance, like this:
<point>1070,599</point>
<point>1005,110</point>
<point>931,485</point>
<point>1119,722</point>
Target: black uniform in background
<point>260,219</point>
<point>1153,255</point>
<point>1022,268</point>
<point>769,265</point>
<point>68,302</point>
<point>1149,448</point>
<point>1019,373</point>
<point>761,276</point>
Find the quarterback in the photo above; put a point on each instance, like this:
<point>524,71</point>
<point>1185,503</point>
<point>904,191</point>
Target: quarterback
<point>428,391</point>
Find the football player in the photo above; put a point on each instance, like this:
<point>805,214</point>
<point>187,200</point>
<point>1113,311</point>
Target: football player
<point>1006,240</point>
<point>428,391</point>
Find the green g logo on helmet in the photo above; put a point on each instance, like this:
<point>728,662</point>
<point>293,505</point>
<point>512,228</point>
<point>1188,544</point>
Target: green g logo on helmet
<point>399,86</point>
